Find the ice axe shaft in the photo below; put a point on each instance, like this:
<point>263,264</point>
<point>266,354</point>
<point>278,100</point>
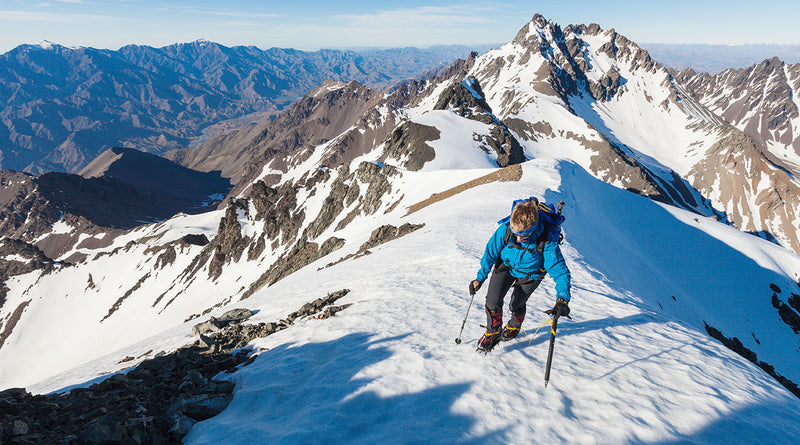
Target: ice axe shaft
<point>553,328</point>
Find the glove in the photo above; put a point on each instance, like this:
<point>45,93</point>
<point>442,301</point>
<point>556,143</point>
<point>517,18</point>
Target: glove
<point>561,309</point>
<point>474,285</point>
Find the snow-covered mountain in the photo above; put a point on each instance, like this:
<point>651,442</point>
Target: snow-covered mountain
<point>761,100</point>
<point>395,202</point>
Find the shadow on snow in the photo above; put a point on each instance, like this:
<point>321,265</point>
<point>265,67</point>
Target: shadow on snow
<point>317,393</point>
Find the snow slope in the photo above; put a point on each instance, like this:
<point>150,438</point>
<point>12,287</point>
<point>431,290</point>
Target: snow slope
<point>625,370</point>
<point>633,365</point>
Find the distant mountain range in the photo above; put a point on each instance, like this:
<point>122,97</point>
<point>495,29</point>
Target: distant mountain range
<point>62,106</point>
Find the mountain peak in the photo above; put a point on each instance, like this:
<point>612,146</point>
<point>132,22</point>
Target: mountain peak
<point>46,44</point>
<point>538,28</point>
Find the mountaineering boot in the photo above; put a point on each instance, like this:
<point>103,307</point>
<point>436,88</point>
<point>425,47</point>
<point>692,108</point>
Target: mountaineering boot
<point>494,320</point>
<point>512,327</point>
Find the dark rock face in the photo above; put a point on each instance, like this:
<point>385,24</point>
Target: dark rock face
<point>7,325</point>
<point>35,259</point>
<point>197,240</point>
<point>386,233</point>
<point>407,145</point>
<point>192,190</point>
<point>378,179</point>
<point>302,254</point>
<point>333,205</point>
<point>564,49</point>
<point>506,146</point>
<point>16,258</point>
<point>158,401</point>
<point>277,207</point>
<point>225,320</point>
<point>229,244</point>
<point>459,98</point>
<point>606,87</point>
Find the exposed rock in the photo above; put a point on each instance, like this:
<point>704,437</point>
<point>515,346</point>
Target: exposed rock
<point>607,87</point>
<point>407,144</point>
<point>377,179</point>
<point>323,114</point>
<point>229,244</point>
<point>257,248</point>
<point>101,207</point>
<point>388,232</point>
<point>35,259</point>
<point>7,326</point>
<point>277,207</point>
<point>756,195</point>
<point>461,100</point>
<point>166,258</point>
<point>302,254</point>
<point>125,296</point>
<point>215,324</point>
<point>735,345</point>
<point>733,94</point>
<point>381,235</point>
<point>196,240</point>
<point>505,145</point>
<point>239,335</point>
<point>332,206</point>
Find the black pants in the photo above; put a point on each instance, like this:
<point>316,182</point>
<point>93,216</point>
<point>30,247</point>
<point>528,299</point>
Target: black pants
<point>499,284</point>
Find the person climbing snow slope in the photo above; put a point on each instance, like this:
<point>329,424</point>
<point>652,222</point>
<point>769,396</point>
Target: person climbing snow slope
<point>523,249</point>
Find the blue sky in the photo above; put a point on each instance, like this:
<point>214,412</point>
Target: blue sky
<point>358,23</point>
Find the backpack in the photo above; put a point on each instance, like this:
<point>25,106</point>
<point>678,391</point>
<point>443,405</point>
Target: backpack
<point>551,219</point>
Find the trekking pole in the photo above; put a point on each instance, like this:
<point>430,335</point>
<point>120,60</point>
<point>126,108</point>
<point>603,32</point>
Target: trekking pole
<point>553,327</point>
<point>458,339</point>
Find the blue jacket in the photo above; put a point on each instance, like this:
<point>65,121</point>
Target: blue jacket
<point>524,263</point>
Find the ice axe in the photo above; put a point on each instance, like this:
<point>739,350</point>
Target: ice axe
<point>553,328</point>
